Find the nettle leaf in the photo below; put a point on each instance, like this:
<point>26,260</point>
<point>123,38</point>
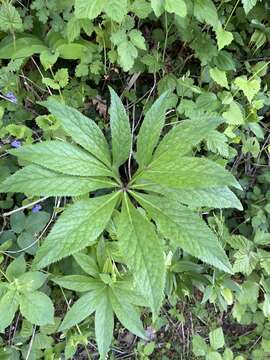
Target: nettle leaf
<point>249,87</point>
<point>187,172</point>
<point>205,11</point>
<point>81,309</point>
<point>248,5</point>
<point>137,39</point>
<point>79,226</point>
<point>37,181</point>
<point>104,324</point>
<point>10,19</point>
<point>88,9</point>
<point>81,129</point>
<point>120,130</point>
<point>116,9</point>
<point>144,258</point>
<point>234,115</point>
<point>127,314</point>
<point>37,308</point>
<point>150,130</point>
<point>185,229</point>
<point>8,306</point>
<point>177,7</point>
<point>219,77</point>
<point>80,283</point>
<point>62,157</point>
<point>224,38</point>
<point>127,54</point>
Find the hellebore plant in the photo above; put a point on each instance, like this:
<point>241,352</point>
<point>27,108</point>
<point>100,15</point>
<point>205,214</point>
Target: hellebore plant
<point>155,201</point>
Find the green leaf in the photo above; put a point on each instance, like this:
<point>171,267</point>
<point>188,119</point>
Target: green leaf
<point>16,268</point>
<point>87,263</point>
<point>81,129</point>
<point>234,115</point>
<point>187,172</point>
<point>205,11</point>
<point>218,198</point>
<point>24,46</point>
<point>248,5</point>
<point>88,9</point>
<point>224,38</point>
<point>37,181</point>
<point>199,345</point>
<point>78,283</point>
<point>79,226</point>
<point>31,281</point>
<point>127,314</point>
<point>213,355</point>
<point>158,7</point>
<point>127,54</point>
<point>249,87</point>
<point>81,309</point>
<point>37,308</point>
<point>104,323</point>
<point>8,307</point>
<point>217,338</point>
<point>120,129</point>
<point>62,157</point>
<point>62,77</point>
<point>187,134</point>
<point>73,29</point>
<point>17,221</point>
<point>144,258</point>
<point>10,19</point>
<point>116,9</point>
<point>185,229</point>
<point>177,7</point>
<point>150,130</point>
<point>219,77</point>
<point>137,39</point>
<point>48,59</point>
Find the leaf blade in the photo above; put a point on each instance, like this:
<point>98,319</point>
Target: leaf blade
<point>120,129</point>
<point>81,129</point>
<point>75,229</point>
<point>139,255</point>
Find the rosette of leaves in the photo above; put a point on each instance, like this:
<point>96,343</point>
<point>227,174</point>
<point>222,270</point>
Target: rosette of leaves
<point>163,178</point>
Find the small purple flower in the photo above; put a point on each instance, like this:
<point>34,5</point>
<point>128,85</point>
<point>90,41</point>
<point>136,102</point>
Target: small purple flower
<point>11,97</point>
<point>36,208</point>
<point>16,143</point>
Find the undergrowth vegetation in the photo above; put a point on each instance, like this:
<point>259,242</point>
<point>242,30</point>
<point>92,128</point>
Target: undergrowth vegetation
<point>134,179</point>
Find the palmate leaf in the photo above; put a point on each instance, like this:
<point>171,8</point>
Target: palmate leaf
<point>104,324</point>
<point>81,129</point>
<point>79,226</point>
<point>183,137</point>
<point>143,252</point>
<point>187,172</point>
<point>126,313</point>
<point>120,130</point>
<point>62,157</point>
<point>81,309</point>
<point>217,198</point>
<point>79,283</point>
<point>185,229</point>
<point>150,130</point>
<point>38,181</point>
